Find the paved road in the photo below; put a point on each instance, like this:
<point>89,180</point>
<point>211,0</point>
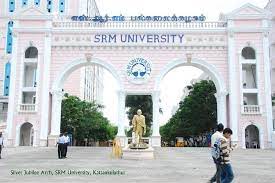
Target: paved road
<point>170,165</point>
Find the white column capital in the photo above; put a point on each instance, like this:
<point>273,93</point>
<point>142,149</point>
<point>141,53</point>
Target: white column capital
<point>57,93</point>
<point>220,94</point>
<point>156,93</point>
<point>121,92</point>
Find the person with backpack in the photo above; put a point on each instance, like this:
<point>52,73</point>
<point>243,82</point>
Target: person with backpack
<point>225,146</point>
<point>215,151</point>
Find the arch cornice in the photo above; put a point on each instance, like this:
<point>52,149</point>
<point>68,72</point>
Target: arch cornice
<point>74,65</point>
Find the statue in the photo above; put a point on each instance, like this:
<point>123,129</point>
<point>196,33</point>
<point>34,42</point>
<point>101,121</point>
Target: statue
<point>139,128</point>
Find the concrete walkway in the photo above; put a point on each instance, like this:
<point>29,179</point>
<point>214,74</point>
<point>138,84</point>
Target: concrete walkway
<point>188,165</point>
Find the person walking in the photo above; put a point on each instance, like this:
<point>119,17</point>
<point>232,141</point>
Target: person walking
<point>227,175</point>
<point>214,138</point>
<point>60,144</point>
<point>1,144</point>
<point>66,144</point>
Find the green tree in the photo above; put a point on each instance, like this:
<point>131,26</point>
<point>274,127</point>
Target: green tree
<point>197,113</point>
<point>84,120</point>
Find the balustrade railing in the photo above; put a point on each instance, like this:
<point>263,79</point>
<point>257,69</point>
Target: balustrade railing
<point>251,109</point>
<point>27,108</point>
<point>139,25</point>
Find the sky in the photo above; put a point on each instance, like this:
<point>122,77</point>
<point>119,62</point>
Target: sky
<point>171,91</point>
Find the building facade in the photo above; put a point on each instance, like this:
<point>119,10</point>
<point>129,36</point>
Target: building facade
<point>44,42</point>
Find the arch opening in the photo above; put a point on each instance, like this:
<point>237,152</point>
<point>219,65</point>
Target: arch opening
<point>26,134</point>
<point>31,52</point>
<point>248,53</point>
<point>252,137</point>
<point>90,77</point>
<point>198,72</point>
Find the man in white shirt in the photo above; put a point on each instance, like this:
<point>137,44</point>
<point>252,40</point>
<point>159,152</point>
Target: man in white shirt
<point>60,143</point>
<point>1,143</point>
<point>67,142</point>
<point>217,135</point>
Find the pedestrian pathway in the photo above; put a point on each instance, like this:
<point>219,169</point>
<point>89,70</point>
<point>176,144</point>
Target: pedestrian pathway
<point>170,165</point>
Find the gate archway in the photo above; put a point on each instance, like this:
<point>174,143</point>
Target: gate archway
<point>57,92</point>
<point>211,71</point>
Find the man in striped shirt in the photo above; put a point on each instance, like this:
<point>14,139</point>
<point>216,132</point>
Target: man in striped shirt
<point>226,173</point>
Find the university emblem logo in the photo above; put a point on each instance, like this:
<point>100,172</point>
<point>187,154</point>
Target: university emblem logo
<point>138,70</point>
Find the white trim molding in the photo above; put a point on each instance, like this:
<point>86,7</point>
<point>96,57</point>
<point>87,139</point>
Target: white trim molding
<point>233,86</point>
<point>45,90</point>
<point>267,81</point>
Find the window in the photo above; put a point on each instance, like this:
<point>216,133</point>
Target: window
<point>28,98</point>
<point>24,2</point>
<point>250,99</point>
<point>11,5</point>
<point>37,2</point>
<point>30,72</point>
<point>7,79</point>
<point>249,76</point>
<point>49,6</point>
<point>61,6</point>
<point>31,52</point>
<point>9,38</point>
<point>248,53</point>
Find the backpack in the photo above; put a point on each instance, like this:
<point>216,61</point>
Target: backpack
<point>216,151</point>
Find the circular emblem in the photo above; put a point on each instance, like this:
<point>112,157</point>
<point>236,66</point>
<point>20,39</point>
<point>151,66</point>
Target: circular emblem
<point>138,70</point>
